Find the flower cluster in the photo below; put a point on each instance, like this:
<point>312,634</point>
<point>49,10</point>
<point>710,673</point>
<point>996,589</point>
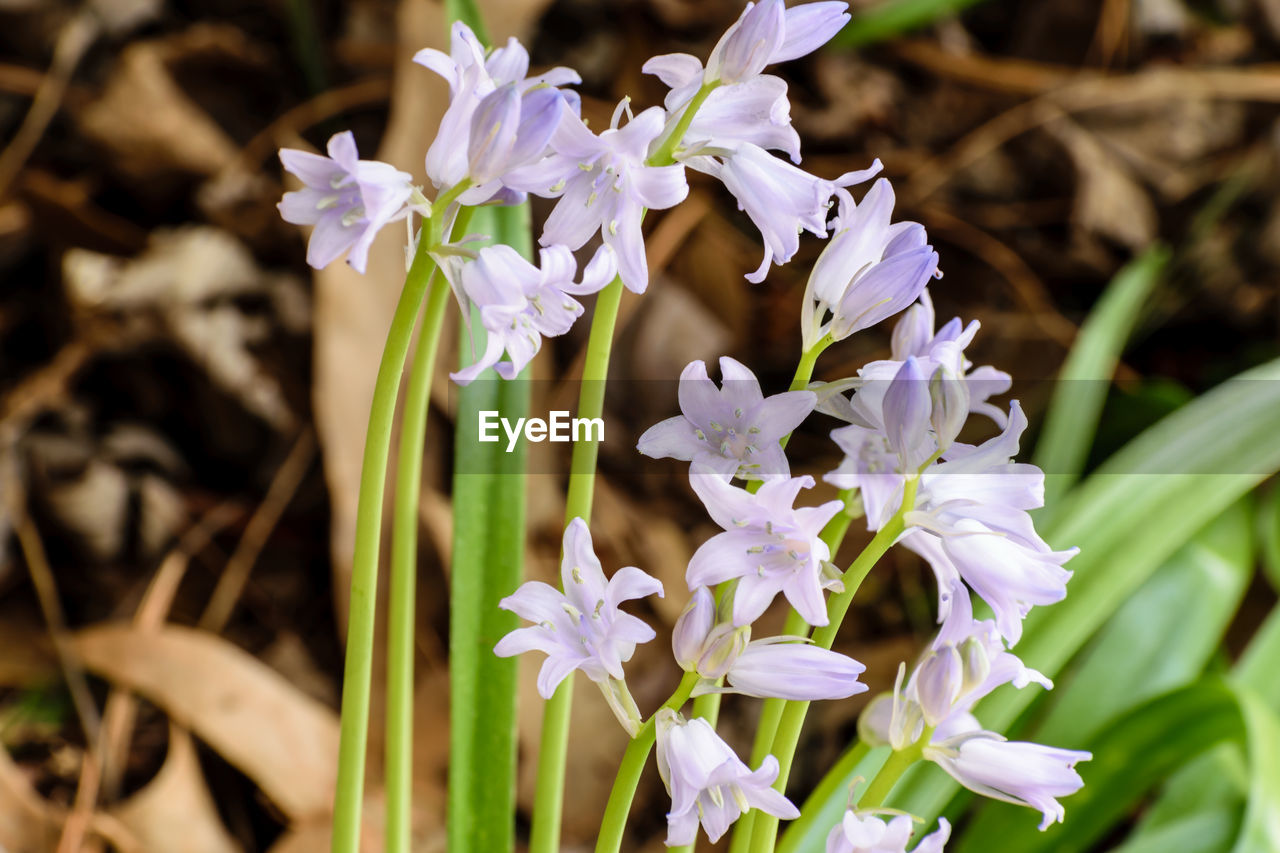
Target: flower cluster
<point>963,507</point>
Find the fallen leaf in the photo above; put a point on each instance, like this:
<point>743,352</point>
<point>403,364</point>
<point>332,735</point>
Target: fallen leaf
<point>1109,202</point>
<point>276,735</point>
<point>175,813</point>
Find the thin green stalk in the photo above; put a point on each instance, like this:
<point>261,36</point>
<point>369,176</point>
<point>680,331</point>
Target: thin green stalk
<point>824,793</point>
<point>899,762</point>
<point>404,571</point>
<point>358,671</point>
<point>765,828</point>
<point>548,801</point>
<point>633,761</point>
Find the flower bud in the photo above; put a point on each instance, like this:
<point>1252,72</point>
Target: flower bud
<point>950,396</point>
<point>723,646</point>
<point>691,630</point>
<point>938,682</point>
<point>976,665</point>
<point>906,411</point>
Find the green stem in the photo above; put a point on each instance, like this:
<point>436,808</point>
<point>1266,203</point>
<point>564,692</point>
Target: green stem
<point>358,671</point>
<point>899,762</point>
<point>788,737</point>
<point>811,811</point>
<point>633,761</point>
<point>665,155</point>
<point>404,566</point>
<point>554,742</point>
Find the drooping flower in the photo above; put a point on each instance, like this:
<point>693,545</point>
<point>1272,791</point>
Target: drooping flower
<point>870,270</point>
<point>780,199</point>
<point>582,627</point>
<point>1017,772</point>
<point>867,833</point>
<point>604,185</point>
<point>520,303</point>
<point>790,668</point>
<point>707,781</point>
<point>498,119</point>
<point>768,545</point>
<point>347,200</point>
<point>734,430</point>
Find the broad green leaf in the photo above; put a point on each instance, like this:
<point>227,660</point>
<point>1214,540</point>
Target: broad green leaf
<point>1259,667</point>
<point>488,557</point>
<point>1269,534</point>
<point>1260,832</point>
<point>1083,382</point>
<point>1128,518</point>
<point>1208,831</point>
<point>1129,758</point>
<point>1161,638</point>
<point>890,18</point>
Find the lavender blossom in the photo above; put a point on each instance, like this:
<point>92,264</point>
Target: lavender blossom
<point>1021,773</point>
<point>499,118</point>
<point>582,627</point>
<point>704,644</point>
<point>520,304</point>
<point>733,430</point>
<point>781,199</point>
<point>708,783</point>
<point>768,546</point>
<point>791,668</point>
<point>604,185</point>
<point>347,200</point>
<point>870,270</point>
<point>867,833</point>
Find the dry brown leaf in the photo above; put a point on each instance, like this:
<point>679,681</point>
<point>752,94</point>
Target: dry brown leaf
<point>147,121</point>
<point>279,737</point>
<point>27,823</point>
<point>175,813</point>
<point>1109,202</point>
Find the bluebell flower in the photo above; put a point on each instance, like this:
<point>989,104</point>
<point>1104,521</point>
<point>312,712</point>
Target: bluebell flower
<point>867,833</point>
<point>519,303</point>
<point>734,430</point>
<point>347,200</point>
<point>582,627</point>
<point>769,546</point>
<point>707,781</point>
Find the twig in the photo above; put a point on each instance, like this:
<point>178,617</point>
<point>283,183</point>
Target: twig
<point>281,491</point>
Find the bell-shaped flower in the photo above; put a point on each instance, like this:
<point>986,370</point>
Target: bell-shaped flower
<point>769,546</point>
<point>868,833</point>
<point>1021,773</point>
<point>347,200</point>
<point>870,270</point>
<point>604,185</point>
<point>520,303</point>
<point>779,198</point>
<point>499,118</point>
<point>734,430</point>
<point>582,627</point>
<point>707,781</point>
<point>791,668</point>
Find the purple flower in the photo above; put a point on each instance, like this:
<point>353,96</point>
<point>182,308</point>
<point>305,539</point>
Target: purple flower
<point>768,546</point>
<point>347,200</point>
<point>869,834</point>
<point>708,783</point>
<point>582,627</point>
<point>498,119</point>
<point>701,643</point>
<point>781,199</point>
<point>870,270</point>
<point>604,185</point>
<point>1021,773</point>
<point>733,430</point>
<point>790,668</point>
<point>520,304</point>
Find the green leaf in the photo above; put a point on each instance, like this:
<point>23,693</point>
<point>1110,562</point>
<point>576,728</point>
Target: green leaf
<point>1081,389</point>
<point>1161,638</point>
<point>1269,534</point>
<point>1129,758</point>
<point>1261,830</point>
<point>890,18</point>
<point>1128,518</point>
<point>467,12</point>
<point>488,558</point>
<point>1208,831</point>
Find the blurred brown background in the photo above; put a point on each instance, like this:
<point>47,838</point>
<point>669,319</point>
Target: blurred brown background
<point>183,402</point>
